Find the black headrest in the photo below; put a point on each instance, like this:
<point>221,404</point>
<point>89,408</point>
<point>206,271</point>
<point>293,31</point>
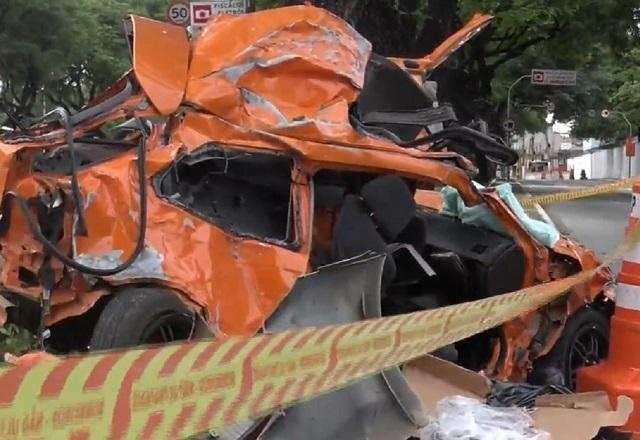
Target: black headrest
<point>355,234</point>
<point>387,87</point>
<point>391,202</point>
<point>329,196</point>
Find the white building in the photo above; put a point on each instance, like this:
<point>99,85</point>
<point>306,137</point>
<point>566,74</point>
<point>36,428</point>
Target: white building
<point>550,146</point>
<point>606,161</point>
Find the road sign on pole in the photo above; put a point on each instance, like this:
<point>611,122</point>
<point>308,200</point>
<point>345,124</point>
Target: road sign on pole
<point>178,12</point>
<point>551,106</point>
<point>547,77</point>
<point>202,11</point>
<point>630,147</point>
<point>509,125</point>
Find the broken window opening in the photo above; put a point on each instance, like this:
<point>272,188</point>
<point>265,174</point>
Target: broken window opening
<point>104,143</point>
<point>247,193</point>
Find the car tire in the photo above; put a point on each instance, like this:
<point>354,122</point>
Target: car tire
<point>142,315</point>
<point>584,342</point>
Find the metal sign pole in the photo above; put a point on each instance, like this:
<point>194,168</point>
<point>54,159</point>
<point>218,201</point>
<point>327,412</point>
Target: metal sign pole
<point>630,136</point>
<point>629,147</point>
<point>508,123</point>
<point>540,77</point>
<point>509,93</point>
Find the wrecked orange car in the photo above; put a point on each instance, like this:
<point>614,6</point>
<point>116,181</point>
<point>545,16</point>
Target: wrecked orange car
<point>196,192</point>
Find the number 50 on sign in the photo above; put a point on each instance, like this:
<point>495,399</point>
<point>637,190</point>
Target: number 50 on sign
<point>178,13</point>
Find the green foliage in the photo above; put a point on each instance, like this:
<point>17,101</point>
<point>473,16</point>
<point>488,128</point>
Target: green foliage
<point>16,340</point>
<point>78,50</point>
<point>268,4</point>
<point>626,96</point>
<point>62,52</point>
<point>585,35</point>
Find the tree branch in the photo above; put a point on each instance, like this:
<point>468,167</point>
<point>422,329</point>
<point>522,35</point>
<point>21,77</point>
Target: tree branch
<point>517,51</point>
<point>513,37</point>
<point>12,88</point>
<point>56,100</point>
<point>93,90</point>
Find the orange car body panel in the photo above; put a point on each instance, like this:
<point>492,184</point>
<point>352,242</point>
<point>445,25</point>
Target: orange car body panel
<point>431,61</point>
<point>160,62</point>
<point>429,199</point>
<point>258,78</point>
<point>277,81</point>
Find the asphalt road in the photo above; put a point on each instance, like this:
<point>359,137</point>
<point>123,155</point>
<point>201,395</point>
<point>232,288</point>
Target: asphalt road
<point>597,222</point>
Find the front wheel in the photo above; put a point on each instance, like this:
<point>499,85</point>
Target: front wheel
<point>584,342</point>
<point>142,315</point>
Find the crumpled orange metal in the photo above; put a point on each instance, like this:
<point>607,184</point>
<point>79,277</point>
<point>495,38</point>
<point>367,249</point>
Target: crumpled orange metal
<point>431,61</point>
<point>278,81</point>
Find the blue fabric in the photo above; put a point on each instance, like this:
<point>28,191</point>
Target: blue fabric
<point>481,216</point>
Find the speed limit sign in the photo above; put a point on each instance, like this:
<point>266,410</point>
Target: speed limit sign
<point>178,13</point>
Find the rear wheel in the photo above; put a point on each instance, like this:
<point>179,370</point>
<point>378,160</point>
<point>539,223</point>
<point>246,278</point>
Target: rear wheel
<point>584,342</point>
<point>145,315</point>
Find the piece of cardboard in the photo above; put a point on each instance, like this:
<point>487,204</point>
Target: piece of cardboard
<point>565,417</point>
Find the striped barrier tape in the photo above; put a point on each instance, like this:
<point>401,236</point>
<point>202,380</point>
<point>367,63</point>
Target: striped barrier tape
<point>177,390</point>
<point>547,199</point>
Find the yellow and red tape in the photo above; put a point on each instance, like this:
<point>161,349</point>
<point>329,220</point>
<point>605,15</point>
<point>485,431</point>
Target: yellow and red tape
<point>179,390</point>
<point>547,199</point>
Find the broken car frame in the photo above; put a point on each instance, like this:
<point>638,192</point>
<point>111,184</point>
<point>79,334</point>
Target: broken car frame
<point>206,183</point>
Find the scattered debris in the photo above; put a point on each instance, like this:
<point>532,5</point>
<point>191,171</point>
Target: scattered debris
<point>463,418</point>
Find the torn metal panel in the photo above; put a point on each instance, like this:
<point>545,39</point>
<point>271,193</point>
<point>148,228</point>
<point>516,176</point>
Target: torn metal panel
<point>380,407</point>
<point>432,60</point>
<point>148,265</point>
<point>163,78</point>
<point>57,161</point>
<point>198,258</point>
<point>82,302</point>
<point>299,60</point>
<point>197,129</point>
<point>234,73</point>
<point>257,106</point>
<point>4,305</point>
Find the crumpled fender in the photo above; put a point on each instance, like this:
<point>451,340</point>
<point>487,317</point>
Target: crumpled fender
<point>587,260</point>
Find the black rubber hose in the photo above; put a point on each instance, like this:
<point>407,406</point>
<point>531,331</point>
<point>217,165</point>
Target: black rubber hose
<point>63,116</point>
<point>493,150</point>
<point>49,246</point>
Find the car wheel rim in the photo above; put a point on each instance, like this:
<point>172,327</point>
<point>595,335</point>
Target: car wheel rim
<point>589,347</point>
<point>168,328</point>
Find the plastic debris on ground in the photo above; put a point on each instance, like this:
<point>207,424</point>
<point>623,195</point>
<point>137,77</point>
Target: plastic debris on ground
<point>463,418</point>
<point>504,394</point>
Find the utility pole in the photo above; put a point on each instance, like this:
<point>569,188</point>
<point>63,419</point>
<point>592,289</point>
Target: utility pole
<point>605,114</point>
<point>508,123</point>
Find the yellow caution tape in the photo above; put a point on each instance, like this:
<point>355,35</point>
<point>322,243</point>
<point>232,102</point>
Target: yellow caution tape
<point>547,199</point>
<point>177,390</point>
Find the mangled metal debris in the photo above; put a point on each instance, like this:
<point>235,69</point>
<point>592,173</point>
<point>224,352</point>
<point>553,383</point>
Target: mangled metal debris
<point>214,181</point>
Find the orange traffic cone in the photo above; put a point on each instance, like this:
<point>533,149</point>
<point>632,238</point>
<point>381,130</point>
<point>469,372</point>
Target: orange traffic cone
<point>620,374</point>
